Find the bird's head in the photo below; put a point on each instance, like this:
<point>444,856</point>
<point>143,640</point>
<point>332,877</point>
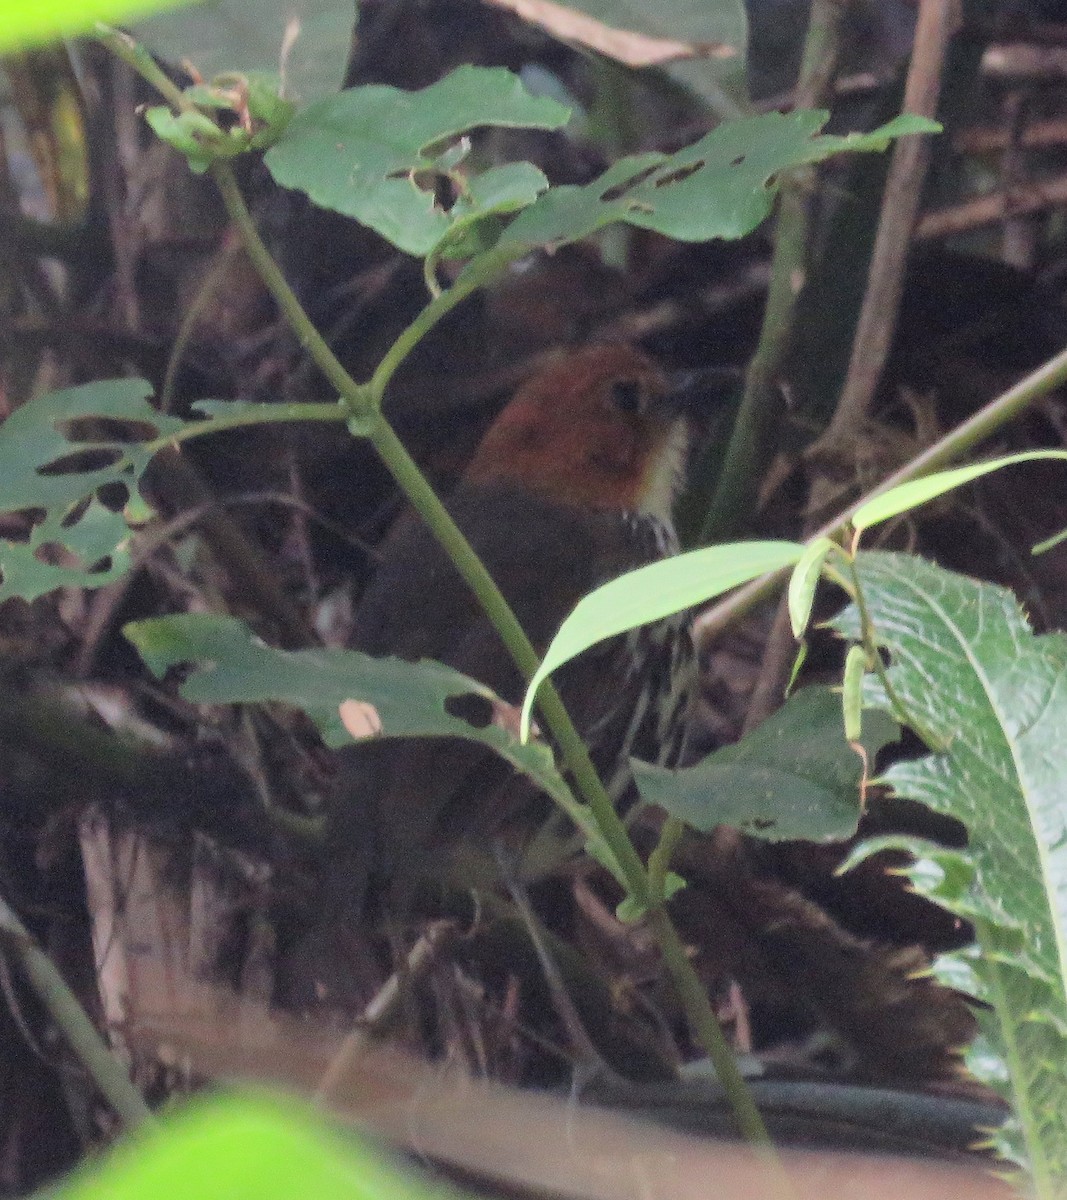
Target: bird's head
<point>598,427</point>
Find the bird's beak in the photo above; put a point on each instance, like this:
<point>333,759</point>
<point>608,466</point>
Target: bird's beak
<point>698,393</point>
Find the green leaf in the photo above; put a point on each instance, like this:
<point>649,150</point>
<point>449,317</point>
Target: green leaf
<point>966,666</point>
<point>722,186</point>
<point>247,36</point>
<point>852,691</point>
<point>392,698</point>
<point>245,1147</point>
<point>654,592</point>
<point>794,777</point>
<point>910,495</point>
<point>192,134</point>
<point>27,23</point>
<point>374,153</point>
<point>804,580</point>
<point>79,455</point>
<point>109,419</point>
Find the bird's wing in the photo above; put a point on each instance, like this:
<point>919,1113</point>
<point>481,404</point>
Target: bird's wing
<point>421,794</point>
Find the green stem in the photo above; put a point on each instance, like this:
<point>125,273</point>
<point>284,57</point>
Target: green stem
<point>136,56</point>
<point>106,1071</point>
<point>476,274</point>
<point>753,441</point>
<point>943,453</point>
<point>708,1031</point>
<point>659,861</point>
<point>362,403</point>
<point>291,309</point>
<point>869,639</point>
<point>365,402</point>
<point>259,414</point>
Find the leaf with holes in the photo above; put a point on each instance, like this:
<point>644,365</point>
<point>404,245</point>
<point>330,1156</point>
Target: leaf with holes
<point>966,666</point>
<point>380,697</point>
<point>381,155</point>
<point>722,186</point>
<point>794,777</point>
<point>77,457</point>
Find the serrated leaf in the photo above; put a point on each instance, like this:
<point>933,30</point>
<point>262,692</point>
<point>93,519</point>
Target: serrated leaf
<point>402,699</point>
<point>721,186</point>
<point>243,1146</point>
<point>965,663</point>
<point>794,777</point>
<point>653,592</point>
<point>907,496</point>
<point>360,153</point>
<point>38,437</point>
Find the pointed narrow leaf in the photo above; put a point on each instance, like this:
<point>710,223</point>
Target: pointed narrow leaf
<point>804,580</point>
<point>907,496</point>
<point>654,592</point>
<point>852,691</point>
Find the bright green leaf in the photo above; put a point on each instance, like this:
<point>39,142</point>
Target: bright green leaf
<point>393,698</point>
<point>910,495</point>
<point>722,186</point>
<point>654,592</point>
<point>966,666</point>
<point>26,23</point>
<point>247,1148</point>
<point>364,152</point>
<point>794,777</point>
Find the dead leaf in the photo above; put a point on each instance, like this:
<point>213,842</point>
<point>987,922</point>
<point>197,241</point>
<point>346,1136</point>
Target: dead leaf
<point>629,48</point>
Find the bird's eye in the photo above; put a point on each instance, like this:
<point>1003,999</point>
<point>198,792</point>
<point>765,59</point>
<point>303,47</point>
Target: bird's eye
<point>626,395</point>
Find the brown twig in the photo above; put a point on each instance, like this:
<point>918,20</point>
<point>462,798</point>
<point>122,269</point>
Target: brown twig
<point>1038,135</point>
<point>943,453</point>
<point>937,21</point>
<point>753,440</point>
<point>988,210</point>
<point>878,317</point>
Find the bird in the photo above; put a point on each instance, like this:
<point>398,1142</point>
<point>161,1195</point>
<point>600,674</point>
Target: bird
<point>572,485</point>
